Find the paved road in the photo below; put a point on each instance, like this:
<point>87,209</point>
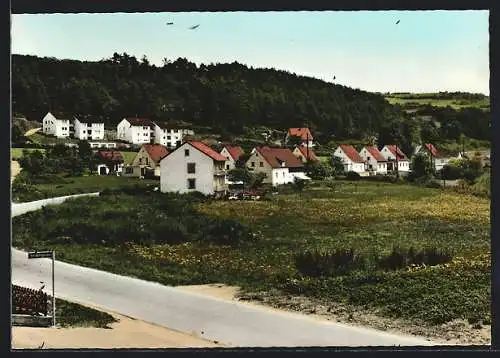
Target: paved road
<point>231,323</point>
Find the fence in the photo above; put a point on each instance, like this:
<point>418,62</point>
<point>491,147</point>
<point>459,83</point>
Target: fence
<point>29,301</point>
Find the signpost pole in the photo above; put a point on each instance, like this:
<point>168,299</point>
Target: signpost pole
<point>53,291</point>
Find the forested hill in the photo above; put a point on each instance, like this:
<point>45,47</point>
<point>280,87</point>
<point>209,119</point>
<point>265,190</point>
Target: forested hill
<point>225,97</point>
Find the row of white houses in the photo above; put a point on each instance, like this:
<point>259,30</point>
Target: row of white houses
<point>370,160</point>
<point>135,131</point>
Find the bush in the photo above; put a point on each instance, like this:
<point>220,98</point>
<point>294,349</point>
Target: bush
<point>400,258</point>
<point>318,264</point>
<point>352,176</point>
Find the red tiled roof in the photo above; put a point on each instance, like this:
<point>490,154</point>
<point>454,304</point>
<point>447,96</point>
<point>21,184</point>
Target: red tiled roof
<point>276,156</point>
<point>111,155</point>
<point>235,152</point>
<point>312,156</point>
<point>156,151</point>
<point>139,121</point>
<point>432,149</point>
<point>400,155</point>
<point>202,147</point>
<point>376,154</point>
<point>351,153</point>
<point>303,133</point>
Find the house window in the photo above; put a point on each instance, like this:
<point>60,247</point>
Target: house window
<point>283,174</point>
<point>253,164</point>
<point>191,168</point>
<point>276,174</point>
<point>191,183</point>
<point>168,137</point>
<point>186,152</point>
<point>227,166</point>
<point>140,160</point>
<point>261,164</point>
<point>129,170</point>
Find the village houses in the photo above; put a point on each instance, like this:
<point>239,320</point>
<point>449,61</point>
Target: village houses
<point>278,164</point>
<point>169,134</point>
<point>193,166</point>
<point>88,128</point>
<point>394,154</point>
<point>109,162</point>
<point>147,161</point>
<point>437,159</point>
<point>350,158</point>
<point>304,135</point>
<point>305,154</point>
<point>232,155</point>
<point>135,130</point>
<point>57,124</point>
<point>375,162</point>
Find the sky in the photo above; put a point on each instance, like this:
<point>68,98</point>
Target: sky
<point>427,51</point>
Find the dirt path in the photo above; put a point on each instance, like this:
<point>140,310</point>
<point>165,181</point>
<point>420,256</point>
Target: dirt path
<point>126,333</point>
<point>32,131</point>
<point>15,169</point>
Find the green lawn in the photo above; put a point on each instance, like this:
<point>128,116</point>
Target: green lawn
<point>454,103</point>
<point>129,157</point>
<point>78,185</point>
<point>369,218</point>
<point>17,153</point>
<point>69,314</point>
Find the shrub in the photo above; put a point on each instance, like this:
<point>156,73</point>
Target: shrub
<point>318,263</point>
<point>400,258</point>
<point>352,176</point>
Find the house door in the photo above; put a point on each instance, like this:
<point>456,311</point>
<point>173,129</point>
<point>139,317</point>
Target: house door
<point>143,172</point>
<point>102,171</point>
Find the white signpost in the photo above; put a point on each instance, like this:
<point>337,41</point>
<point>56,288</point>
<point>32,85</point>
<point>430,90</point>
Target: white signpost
<point>41,255</point>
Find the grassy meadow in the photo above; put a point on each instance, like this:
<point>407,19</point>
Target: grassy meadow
<point>69,314</point>
<point>61,186</point>
<point>416,100</point>
<point>295,241</point>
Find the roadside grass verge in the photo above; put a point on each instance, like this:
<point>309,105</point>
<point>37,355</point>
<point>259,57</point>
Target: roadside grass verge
<point>17,153</point>
<point>369,218</point>
<point>69,314</point>
<point>61,186</point>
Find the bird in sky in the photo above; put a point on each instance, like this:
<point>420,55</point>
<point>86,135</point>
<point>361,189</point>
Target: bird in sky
<point>170,23</point>
<point>194,27</point>
<point>397,22</point>
<point>334,77</point>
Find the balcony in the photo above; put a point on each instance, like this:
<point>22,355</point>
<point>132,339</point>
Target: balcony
<point>220,172</point>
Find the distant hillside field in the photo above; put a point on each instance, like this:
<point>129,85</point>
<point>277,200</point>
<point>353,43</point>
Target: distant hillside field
<point>454,100</point>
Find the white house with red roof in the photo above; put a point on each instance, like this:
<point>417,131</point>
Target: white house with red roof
<point>279,165</point>
<point>351,159</point>
<point>305,154</point>
<point>394,154</point>
<point>304,134</point>
<point>232,154</point>
<point>375,162</point>
<point>135,130</point>
<point>437,158</point>
<point>193,166</point>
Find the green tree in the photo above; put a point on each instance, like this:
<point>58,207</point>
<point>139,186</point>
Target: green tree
<point>421,167</point>
<point>318,170</point>
<point>240,174</point>
<point>337,165</point>
<point>257,180</point>
<point>298,185</point>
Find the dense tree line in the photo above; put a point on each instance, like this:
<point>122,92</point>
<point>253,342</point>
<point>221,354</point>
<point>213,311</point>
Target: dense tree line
<point>226,97</point>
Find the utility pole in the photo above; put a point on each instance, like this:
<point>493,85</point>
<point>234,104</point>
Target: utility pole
<point>53,291</point>
<point>397,167</point>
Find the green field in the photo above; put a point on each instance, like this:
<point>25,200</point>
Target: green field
<point>77,185</point>
<point>17,153</point>
<point>129,157</point>
<point>43,139</point>
<point>370,218</point>
<point>416,101</point>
